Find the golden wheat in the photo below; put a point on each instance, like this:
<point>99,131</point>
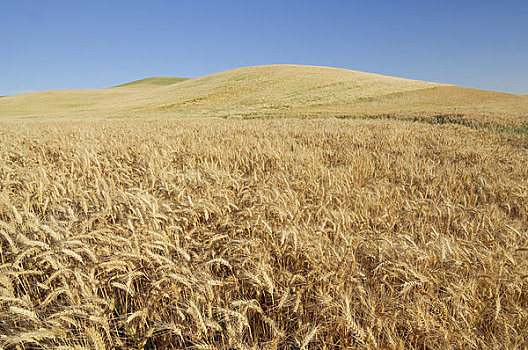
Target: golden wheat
<point>262,234</point>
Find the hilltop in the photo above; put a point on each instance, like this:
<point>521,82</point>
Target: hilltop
<point>276,90</point>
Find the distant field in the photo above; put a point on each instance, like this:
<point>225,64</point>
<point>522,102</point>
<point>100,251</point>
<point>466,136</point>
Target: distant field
<point>262,234</point>
<point>276,91</point>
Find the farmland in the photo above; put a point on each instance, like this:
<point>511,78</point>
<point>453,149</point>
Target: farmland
<point>277,91</point>
<point>309,227</point>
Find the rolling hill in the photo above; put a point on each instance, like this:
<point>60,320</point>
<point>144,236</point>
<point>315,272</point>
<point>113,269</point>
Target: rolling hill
<point>276,90</point>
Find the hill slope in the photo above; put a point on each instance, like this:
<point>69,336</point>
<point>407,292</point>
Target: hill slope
<point>280,87</point>
<point>155,81</point>
<point>277,90</point>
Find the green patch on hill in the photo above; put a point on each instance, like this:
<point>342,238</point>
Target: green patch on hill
<point>155,81</point>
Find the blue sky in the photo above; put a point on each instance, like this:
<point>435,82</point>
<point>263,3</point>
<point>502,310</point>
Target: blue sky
<point>92,44</point>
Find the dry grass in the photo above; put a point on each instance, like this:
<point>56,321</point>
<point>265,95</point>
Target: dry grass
<point>235,92</point>
<point>278,234</point>
<point>270,91</point>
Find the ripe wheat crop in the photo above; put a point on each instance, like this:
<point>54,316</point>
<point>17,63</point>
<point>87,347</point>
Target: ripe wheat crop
<point>262,234</point>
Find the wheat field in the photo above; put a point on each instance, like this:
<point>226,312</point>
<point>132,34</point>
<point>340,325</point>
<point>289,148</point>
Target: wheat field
<point>274,91</point>
<point>262,234</point>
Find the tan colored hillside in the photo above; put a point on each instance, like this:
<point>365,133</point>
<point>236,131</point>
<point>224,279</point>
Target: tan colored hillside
<point>272,88</point>
<point>278,90</point>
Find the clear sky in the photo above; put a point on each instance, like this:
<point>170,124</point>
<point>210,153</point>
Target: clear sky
<point>92,44</point>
